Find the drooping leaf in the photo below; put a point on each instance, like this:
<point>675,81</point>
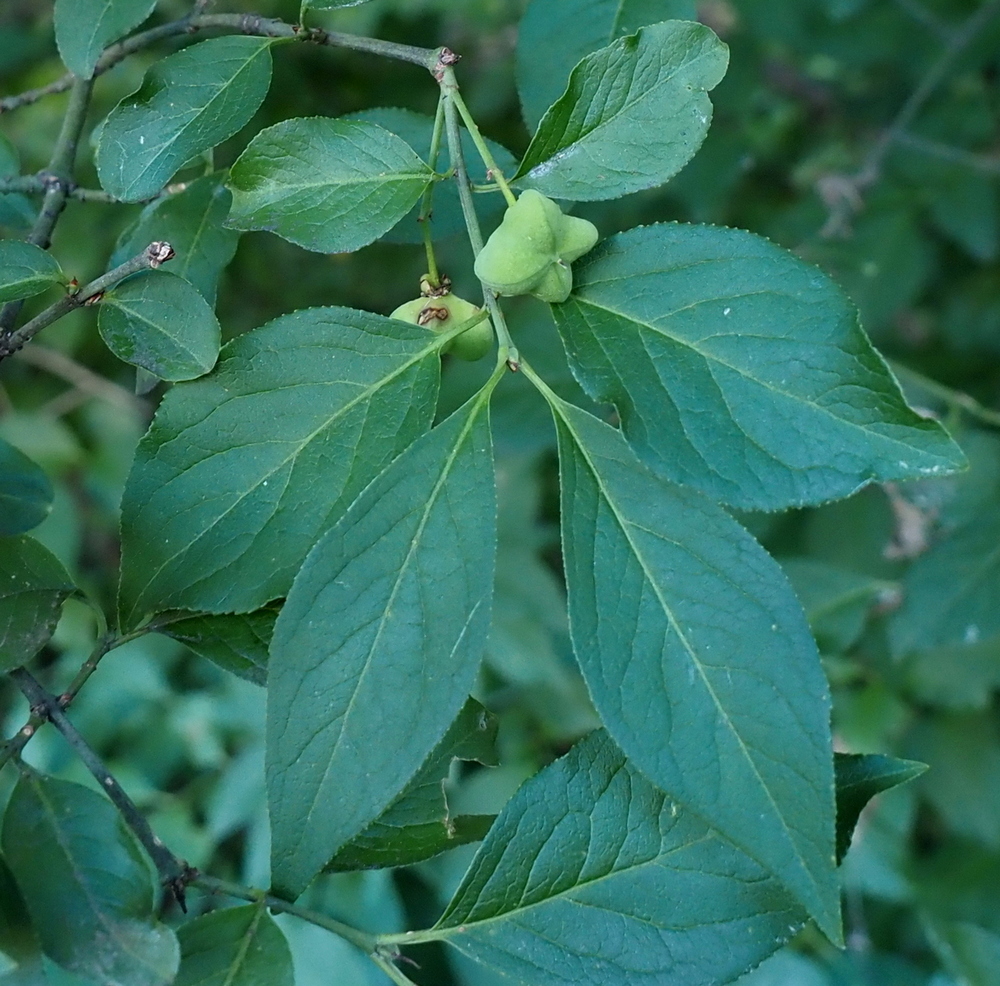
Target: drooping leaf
<point>86,883</point>
<point>698,659</point>
<point>860,776</point>
<point>162,323</point>
<point>378,643</point>
<point>739,370</point>
<point>188,103</point>
<point>33,585</point>
<point>236,642</point>
<point>26,270</point>
<point>243,470</point>
<point>633,115</point>
<point>418,824</point>
<point>951,594</point>
<point>236,946</point>
<point>328,185</point>
<point>553,37</point>
<point>191,222</point>
<point>84,28</point>
<point>25,492</point>
<point>591,874</point>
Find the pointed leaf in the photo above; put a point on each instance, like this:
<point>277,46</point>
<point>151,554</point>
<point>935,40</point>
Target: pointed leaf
<point>328,185</point>
<point>236,642</point>
<point>25,492</point>
<point>188,103</point>
<point>218,513</point>
<point>162,323</point>
<point>553,37</point>
<point>87,885</point>
<point>633,115</point>
<point>378,643</point>
<point>33,585</point>
<point>591,874</point>
<point>84,28</point>
<point>860,776</point>
<point>237,946</point>
<point>740,370</point>
<point>25,270</point>
<point>698,659</point>
<point>191,222</point>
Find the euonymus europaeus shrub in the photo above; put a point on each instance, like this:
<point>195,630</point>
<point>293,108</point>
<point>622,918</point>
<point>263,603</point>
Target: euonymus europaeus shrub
<point>300,513</point>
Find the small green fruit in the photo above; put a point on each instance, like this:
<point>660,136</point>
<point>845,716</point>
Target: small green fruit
<point>444,313</point>
<point>530,252</point>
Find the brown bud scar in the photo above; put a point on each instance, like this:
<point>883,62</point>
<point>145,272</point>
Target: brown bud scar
<point>159,253</point>
<point>432,313</point>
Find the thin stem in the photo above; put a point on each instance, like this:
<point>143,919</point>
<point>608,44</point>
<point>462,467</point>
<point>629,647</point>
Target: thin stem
<point>953,398</point>
<point>392,971</point>
<point>360,939</point>
<point>155,254</point>
<point>43,182</point>
<point>990,164</point>
<point>426,201</point>
<point>493,170</point>
<point>508,351</point>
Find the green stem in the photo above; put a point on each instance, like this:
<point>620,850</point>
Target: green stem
<point>427,200</point>
<point>493,170</point>
<point>392,971</point>
<point>953,398</point>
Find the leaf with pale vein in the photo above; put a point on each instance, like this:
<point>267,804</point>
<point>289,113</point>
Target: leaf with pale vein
<point>84,28</point>
<point>25,270</point>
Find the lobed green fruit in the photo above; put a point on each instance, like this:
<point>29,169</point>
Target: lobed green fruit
<point>445,312</point>
<point>530,252</point>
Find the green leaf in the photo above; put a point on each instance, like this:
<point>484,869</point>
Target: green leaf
<point>860,776</point>
<point>191,222</point>
<point>951,594</point>
<point>15,210</point>
<point>740,370</point>
<point>418,823</point>
<point>236,642</point>
<point>446,219</point>
<point>25,492</point>
<point>332,4</point>
<point>378,643</point>
<point>162,323</point>
<point>26,270</point>
<point>33,585</point>
<point>553,37</point>
<point>86,883</point>
<point>633,115</point>
<point>591,874</point>
<point>188,103</point>
<point>698,659</point>
<point>968,951</point>
<point>84,28</point>
<point>18,939</point>
<point>218,513</point>
<point>236,946</point>
<point>331,186</point>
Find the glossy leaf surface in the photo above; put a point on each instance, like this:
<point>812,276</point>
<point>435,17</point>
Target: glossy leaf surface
<point>592,875</point>
<point>33,585</point>
<point>25,492</point>
<point>242,470</point>
<point>188,103</point>
<point>84,28</point>
<point>25,270</point>
<point>633,115</point>
<point>328,185</point>
<point>378,643</point>
<point>86,883</point>
<point>160,322</point>
<point>698,658</point>
<point>740,370</point>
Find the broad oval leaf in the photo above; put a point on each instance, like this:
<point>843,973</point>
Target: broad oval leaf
<point>160,322</point>
<point>33,585</point>
<point>242,470</point>
<point>191,221</point>
<point>633,115</point>
<point>553,37</point>
<point>26,270</point>
<point>236,946</point>
<point>592,875</point>
<point>740,370</point>
<point>236,642</point>
<point>328,185</point>
<point>85,27</point>
<point>188,103</point>
<point>698,658</point>
<point>25,491</point>
<point>378,644</point>
<point>86,883</point>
